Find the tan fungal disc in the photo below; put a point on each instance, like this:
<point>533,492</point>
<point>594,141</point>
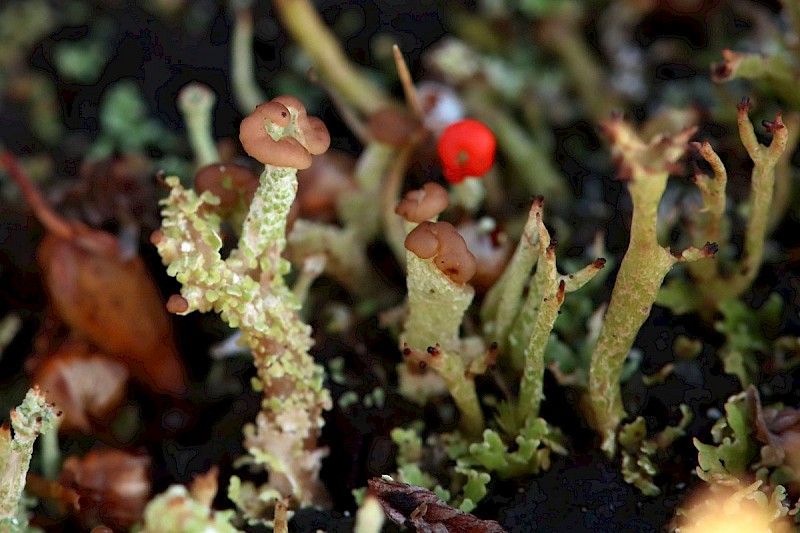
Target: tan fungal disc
<point>423,204</point>
<point>294,148</point>
<point>441,242</point>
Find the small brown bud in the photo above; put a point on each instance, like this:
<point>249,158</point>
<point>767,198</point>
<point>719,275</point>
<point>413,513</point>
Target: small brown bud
<point>423,204</point>
<point>177,304</point>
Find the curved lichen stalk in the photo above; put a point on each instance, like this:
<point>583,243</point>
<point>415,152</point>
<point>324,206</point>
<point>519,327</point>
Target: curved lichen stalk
<point>305,25</point>
<point>249,292</point>
<point>531,330</point>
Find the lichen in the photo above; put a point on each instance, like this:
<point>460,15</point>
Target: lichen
<point>33,417</point>
<point>248,290</point>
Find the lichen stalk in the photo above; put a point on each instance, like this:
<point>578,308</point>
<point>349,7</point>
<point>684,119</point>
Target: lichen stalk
<point>712,285</point>
<point>196,103</point>
<point>563,34</point>
<point>503,301</point>
<point>393,226</point>
<point>712,219</point>
<point>761,191</point>
<point>32,418</point>
<point>792,12</point>
<point>538,316</point>
<point>782,196</point>
<point>343,250</point>
<point>642,271</point>
<point>246,91</point>
<point>552,296</point>
<point>436,307</point>
<point>525,333</point>
<point>301,19</point>
<point>249,292</point>
<point>640,276</point>
<point>359,210</point>
<point>773,70</point>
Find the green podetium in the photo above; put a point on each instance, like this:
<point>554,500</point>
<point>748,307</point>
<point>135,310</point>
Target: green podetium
<point>248,290</point>
<point>439,266</point>
<point>713,286</point>
<point>534,324</point>
<point>522,323</point>
<point>645,167</point>
<point>31,419</point>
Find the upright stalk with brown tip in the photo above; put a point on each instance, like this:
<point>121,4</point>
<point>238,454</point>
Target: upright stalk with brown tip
<point>249,292</point>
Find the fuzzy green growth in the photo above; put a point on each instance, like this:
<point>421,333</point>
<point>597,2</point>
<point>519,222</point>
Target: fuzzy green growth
<point>529,454</point>
<point>645,166</point>
<point>176,511</point>
<point>751,439</point>
<point>639,454</point>
<point>248,291</point>
<point>32,418</point>
<point>734,446</point>
<point>526,452</point>
<point>473,463</point>
<point>409,458</point>
<point>125,124</point>
<point>748,332</point>
<point>737,437</point>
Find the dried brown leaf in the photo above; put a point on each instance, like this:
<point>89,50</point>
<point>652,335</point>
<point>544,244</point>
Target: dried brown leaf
<point>420,509</point>
<point>103,295</point>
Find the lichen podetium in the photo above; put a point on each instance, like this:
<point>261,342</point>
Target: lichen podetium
<point>645,167</point>
<point>248,290</point>
<point>32,418</point>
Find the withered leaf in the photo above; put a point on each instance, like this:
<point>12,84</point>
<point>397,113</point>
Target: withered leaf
<point>104,296</point>
<point>84,383</point>
<point>114,486</point>
<point>420,509</point>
